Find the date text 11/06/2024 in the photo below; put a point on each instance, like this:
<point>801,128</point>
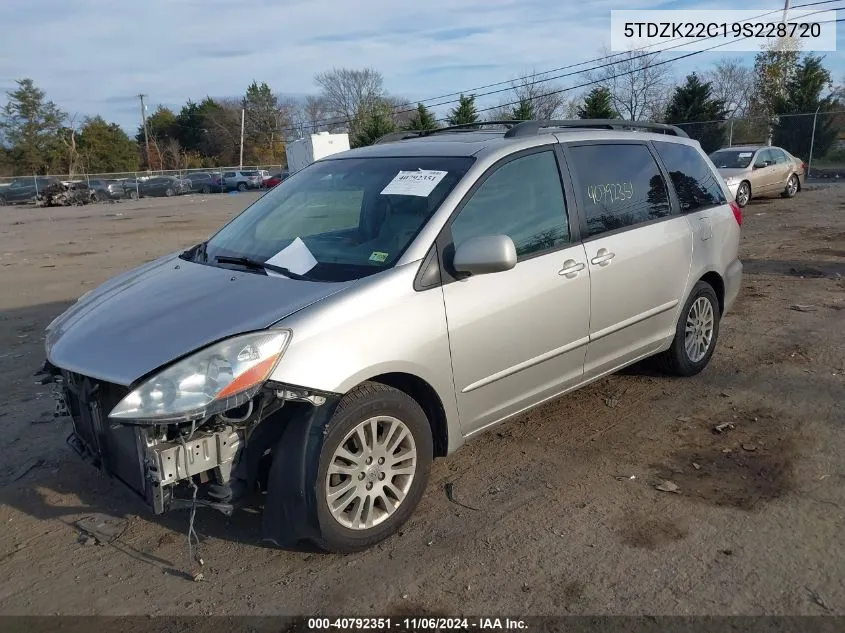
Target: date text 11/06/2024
<point>415,624</point>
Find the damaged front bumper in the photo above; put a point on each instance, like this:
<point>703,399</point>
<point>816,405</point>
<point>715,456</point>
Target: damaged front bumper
<point>212,463</point>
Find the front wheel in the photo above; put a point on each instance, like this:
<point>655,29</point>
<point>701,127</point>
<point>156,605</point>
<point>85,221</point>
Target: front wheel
<point>133,195</point>
<point>743,194</point>
<point>241,186</point>
<point>374,467</point>
<point>695,334</point>
<point>168,192</point>
<point>791,187</point>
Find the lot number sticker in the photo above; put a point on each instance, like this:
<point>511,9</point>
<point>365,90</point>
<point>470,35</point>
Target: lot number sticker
<point>414,183</point>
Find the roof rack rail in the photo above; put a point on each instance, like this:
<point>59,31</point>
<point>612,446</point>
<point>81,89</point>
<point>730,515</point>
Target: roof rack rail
<point>532,128</point>
<point>463,127</point>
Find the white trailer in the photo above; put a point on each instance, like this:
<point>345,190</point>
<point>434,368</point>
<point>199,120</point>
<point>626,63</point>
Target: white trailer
<point>304,151</point>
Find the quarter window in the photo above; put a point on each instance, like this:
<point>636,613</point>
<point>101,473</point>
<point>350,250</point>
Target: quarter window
<point>618,186</point>
<point>694,181</point>
<point>522,199</point>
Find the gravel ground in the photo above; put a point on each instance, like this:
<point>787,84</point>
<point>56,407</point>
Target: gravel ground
<point>561,512</point>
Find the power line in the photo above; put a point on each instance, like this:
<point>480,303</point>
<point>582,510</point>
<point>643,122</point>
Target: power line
<point>341,121</point>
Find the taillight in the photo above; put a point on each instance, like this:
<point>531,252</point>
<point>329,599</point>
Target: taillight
<point>737,212</point>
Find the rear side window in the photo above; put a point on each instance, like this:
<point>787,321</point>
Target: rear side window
<point>695,183</point>
<point>522,199</point>
<point>778,155</point>
<point>618,186</point>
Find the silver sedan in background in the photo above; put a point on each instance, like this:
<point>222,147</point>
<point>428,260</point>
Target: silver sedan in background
<point>758,171</point>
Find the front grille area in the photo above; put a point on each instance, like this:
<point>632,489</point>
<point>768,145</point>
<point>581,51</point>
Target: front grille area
<point>115,447</point>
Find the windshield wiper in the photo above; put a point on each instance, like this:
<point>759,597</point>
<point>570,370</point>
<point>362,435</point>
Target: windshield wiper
<point>254,264</point>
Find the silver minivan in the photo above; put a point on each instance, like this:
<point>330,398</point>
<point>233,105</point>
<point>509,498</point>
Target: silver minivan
<point>384,305</point>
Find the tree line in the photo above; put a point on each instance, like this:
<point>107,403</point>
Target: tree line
<point>37,136</point>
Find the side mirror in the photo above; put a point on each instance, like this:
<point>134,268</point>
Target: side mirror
<point>485,254</point>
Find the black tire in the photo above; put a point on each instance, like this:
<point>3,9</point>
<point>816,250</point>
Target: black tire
<point>242,186</point>
<point>792,187</point>
<point>3,202</point>
<point>169,192</point>
<point>133,195</point>
<point>676,360</point>
<point>743,193</point>
<point>365,401</point>
<point>206,189</point>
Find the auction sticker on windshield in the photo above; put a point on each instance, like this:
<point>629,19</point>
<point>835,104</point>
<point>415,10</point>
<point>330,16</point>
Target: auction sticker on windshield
<point>745,154</point>
<point>414,183</point>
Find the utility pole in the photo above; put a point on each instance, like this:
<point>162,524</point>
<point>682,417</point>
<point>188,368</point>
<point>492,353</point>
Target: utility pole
<point>785,9</point>
<point>144,124</point>
<point>241,164</point>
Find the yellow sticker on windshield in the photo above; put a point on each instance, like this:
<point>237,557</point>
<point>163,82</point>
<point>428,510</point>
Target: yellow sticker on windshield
<point>378,256</point>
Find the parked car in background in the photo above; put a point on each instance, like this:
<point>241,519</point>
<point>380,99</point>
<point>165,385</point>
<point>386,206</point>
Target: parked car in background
<point>205,182</point>
<point>157,186</point>
<point>106,189</point>
<point>241,180</point>
<point>276,178</point>
<point>24,189</point>
<point>758,171</point>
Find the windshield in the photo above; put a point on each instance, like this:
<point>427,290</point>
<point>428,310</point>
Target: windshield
<point>340,219</point>
<point>732,159</point>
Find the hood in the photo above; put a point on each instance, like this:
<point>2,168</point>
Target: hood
<point>735,172</point>
<point>150,316</point>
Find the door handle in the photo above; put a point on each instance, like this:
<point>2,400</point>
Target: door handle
<point>570,268</point>
<point>603,257</point>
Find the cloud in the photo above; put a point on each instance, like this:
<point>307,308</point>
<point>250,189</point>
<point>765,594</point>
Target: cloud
<point>92,56</point>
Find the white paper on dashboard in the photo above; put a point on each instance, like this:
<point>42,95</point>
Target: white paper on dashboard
<point>746,154</point>
<point>414,183</point>
<point>295,257</point>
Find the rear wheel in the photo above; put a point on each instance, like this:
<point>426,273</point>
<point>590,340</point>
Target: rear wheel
<point>695,334</point>
<point>373,469</point>
<point>168,192</point>
<point>133,195</point>
<point>791,187</point>
<point>241,186</point>
<point>743,193</point>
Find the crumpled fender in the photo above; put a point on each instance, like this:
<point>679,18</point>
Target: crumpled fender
<point>290,508</point>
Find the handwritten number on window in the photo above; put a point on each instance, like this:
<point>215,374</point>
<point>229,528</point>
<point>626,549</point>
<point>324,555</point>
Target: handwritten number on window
<point>611,192</point>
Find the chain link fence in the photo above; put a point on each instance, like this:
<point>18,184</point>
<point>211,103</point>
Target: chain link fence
<point>817,138</point>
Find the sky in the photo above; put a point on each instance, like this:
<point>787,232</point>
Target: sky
<point>96,56</point>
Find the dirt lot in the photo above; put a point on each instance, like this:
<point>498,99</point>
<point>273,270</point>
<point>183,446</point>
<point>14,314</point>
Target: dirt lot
<point>561,512</point>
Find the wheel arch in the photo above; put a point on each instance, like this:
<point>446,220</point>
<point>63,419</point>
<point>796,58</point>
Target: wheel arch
<point>429,400</point>
<point>718,284</point>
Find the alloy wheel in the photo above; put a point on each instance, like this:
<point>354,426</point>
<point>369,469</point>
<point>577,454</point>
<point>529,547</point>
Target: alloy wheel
<point>370,472</point>
<point>698,334</point>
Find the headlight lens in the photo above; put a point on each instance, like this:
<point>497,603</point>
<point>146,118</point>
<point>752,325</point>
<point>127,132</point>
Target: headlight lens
<point>217,378</point>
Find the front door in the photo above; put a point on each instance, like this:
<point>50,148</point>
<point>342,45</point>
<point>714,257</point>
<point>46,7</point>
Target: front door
<point>639,251</point>
<point>765,175</point>
<point>518,337</point>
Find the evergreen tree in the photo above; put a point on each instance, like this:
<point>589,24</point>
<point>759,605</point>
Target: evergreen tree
<point>105,147</point>
<point>373,124</point>
<point>598,104</point>
<point>523,111</point>
<point>465,112</point>
<point>693,102</point>
<point>803,95</point>
<point>422,119</point>
<point>31,126</point>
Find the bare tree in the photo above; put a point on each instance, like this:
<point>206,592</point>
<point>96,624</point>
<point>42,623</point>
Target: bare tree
<point>402,110</point>
<point>546,99</point>
<point>637,84</point>
<point>732,82</point>
<point>347,92</point>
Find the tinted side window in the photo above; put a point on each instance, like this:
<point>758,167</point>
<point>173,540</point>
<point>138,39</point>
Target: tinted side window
<point>694,182</point>
<point>229,174</point>
<point>618,186</point>
<point>779,156</point>
<point>762,157</point>
<point>522,199</point>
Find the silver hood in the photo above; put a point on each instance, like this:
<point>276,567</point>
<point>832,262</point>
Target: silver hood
<point>150,316</point>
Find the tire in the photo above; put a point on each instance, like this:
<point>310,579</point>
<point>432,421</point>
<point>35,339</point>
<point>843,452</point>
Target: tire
<point>792,186</point>
<point>205,189</point>
<point>743,193</point>
<point>677,360</point>
<point>394,412</point>
<point>3,202</point>
<point>168,192</point>
<point>242,186</point>
<point>95,197</point>
<point>133,195</point>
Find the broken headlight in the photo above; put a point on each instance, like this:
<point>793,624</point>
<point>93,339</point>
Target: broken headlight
<point>218,378</point>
